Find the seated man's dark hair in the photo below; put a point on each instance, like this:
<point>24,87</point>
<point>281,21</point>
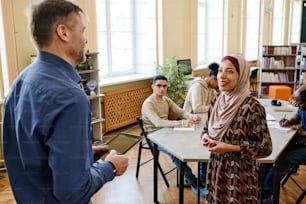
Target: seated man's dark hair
<point>213,68</point>
<point>159,77</point>
<point>303,95</point>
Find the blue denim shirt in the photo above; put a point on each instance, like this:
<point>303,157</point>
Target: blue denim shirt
<point>47,136</point>
<point>302,115</point>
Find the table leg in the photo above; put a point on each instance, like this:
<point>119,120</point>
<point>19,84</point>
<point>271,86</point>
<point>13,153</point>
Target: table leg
<point>198,183</point>
<point>263,171</point>
<point>277,180</point>
<point>181,183</point>
<point>155,184</point>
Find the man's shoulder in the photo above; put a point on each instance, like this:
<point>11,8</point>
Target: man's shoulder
<point>148,99</point>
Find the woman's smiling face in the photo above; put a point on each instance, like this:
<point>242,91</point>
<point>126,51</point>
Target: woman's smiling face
<point>227,76</point>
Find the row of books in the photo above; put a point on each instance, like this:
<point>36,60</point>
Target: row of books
<point>279,50</point>
<point>274,77</point>
<point>272,63</point>
<point>303,50</point>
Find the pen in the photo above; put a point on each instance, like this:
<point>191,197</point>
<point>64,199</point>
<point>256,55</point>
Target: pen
<point>283,120</point>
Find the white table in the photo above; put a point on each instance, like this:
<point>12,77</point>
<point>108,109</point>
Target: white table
<point>175,142</point>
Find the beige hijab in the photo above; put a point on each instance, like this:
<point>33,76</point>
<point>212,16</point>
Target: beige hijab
<point>228,103</point>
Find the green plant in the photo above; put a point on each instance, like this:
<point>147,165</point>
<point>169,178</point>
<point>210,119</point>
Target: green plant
<point>176,79</point>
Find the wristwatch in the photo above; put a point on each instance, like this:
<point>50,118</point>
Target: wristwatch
<point>114,168</point>
<point>100,161</point>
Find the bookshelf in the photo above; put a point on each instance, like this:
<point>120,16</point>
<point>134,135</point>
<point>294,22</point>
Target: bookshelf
<point>279,66</point>
<point>89,73</point>
<point>301,63</point>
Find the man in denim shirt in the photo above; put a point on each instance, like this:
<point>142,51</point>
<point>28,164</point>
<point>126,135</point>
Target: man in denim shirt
<point>47,118</point>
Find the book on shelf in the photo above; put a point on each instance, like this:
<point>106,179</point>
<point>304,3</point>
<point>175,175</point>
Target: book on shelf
<point>279,50</point>
<point>275,77</point>
<point>267,62</point>
<point>272,63</point>
<point>283,77</point>
<point>282,50</point>
<point>265,89</point>
<point>279,64</point>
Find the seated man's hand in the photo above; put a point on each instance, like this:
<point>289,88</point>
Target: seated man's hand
<point>187,123</point>
<point>298,128</point>
<point>284,122</point>
<point>196,119</point>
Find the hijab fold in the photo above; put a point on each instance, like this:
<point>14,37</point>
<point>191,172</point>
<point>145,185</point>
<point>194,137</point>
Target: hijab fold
<point>228,103</point>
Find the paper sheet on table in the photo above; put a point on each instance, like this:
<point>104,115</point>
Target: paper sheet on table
<point>270,117</point>
<point>192,128</point>
<point>275,124</point>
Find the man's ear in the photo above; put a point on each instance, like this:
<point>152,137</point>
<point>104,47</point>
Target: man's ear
<point>62,32</point>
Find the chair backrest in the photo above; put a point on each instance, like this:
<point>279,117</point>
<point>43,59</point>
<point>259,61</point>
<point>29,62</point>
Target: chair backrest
<point>143,132</point>
<point>253,73</point>
<point>140,123</point>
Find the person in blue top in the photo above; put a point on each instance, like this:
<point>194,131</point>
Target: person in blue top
<point>295,152</point>
<point>47,117</point>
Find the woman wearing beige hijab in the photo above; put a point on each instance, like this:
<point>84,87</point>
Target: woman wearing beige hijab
<point>236,134</point>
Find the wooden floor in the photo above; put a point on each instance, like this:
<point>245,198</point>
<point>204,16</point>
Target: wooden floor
<point>128,189</point>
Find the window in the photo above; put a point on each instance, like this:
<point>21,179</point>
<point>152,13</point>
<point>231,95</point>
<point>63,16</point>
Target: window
<point>210,31</point>
<point>252,28</point>
<point>126,37</point>
<point>295,22</point>
<point>278,23</point>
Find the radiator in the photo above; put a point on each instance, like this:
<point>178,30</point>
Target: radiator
<point>122,106</point>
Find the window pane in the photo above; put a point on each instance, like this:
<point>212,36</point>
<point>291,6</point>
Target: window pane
<point>126,36</point>
<point>201,32</point>
<point>252,29</point>
<point>210,33</point>
<point>102,37</point>
<point>214,30</point>
<point>277,38</point>
<point>121,35</point>
<point>145,42</point>
<point>295,22</point>
<point>114,36</point>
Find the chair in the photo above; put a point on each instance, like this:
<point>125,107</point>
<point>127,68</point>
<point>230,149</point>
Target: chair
<point>287,176</point>
<point>253,81</point>
<point>146,145</point>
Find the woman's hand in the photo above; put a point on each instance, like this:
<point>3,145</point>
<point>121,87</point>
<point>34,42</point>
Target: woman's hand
<point>207,142</point>
<point>218,147</point>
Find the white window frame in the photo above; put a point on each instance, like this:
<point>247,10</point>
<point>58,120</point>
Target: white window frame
<point>139,63</point>
<point>211,38</point>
